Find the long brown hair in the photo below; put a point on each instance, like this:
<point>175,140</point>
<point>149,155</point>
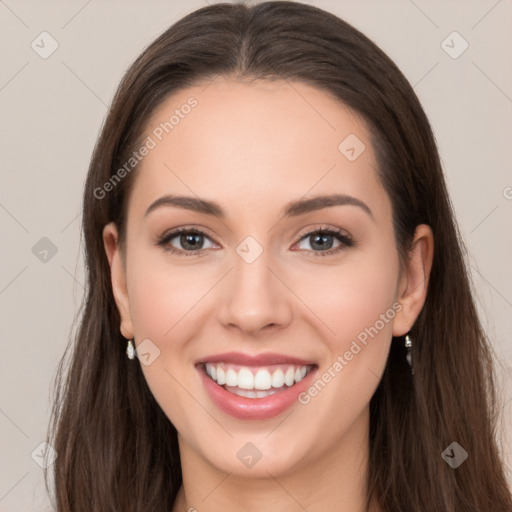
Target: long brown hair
<point>116,448</point>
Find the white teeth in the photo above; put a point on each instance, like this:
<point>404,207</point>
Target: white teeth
<point>289,376</point>
<point>221,376</point>
<point>262,380</point>
<point>278,379</point>
<point>247,378</point>
<point>231,377</point>
<point>251,393</point>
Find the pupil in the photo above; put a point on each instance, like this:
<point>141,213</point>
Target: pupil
<point>323,244</point>
<point>189,240</point>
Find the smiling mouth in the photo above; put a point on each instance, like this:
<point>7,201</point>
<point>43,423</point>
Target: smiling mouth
<point>256,382</point>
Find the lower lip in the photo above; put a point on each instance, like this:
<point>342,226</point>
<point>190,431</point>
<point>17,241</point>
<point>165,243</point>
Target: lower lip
<point>254,408</point>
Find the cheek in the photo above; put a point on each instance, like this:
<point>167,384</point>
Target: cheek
<point>355,297</point>
<point>164,300</point>
<point>168,301</point>
<point>360,310</point>
<point>163,297</point>
<point>357,302</point>
<point>368,294</point>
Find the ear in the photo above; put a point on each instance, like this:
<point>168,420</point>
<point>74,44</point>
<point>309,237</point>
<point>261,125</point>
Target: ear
<point>118,278</point>
<point>413,282</point>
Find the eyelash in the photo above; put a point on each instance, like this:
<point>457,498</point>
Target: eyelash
<point>163,240</point>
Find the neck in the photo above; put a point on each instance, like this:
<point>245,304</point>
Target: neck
<point>335,480</point>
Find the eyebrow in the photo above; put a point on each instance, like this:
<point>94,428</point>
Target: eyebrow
<point>292,209</point>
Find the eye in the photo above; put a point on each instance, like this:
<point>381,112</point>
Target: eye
<point>322,239</point>
<point>191,241</point>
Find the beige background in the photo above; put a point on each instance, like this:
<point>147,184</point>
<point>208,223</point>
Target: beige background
<point>52,109</point>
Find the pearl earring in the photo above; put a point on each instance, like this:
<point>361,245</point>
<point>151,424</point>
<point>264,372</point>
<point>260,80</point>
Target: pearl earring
<point>408,356</point>
<point>130,350</point>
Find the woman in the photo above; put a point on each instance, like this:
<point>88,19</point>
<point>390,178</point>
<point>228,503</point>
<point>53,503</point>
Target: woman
<point>278,313</point>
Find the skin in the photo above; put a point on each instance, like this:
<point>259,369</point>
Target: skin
<point>253,147</point>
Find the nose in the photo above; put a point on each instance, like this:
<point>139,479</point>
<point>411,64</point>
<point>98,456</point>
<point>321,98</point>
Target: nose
<point>255,298</point>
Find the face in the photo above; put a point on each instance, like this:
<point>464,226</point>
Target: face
<point>315,286</point>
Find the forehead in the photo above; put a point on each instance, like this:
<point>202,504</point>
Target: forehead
<point>242,143</point>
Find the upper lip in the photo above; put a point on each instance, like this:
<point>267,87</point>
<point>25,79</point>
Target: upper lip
<point>264,359</point>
